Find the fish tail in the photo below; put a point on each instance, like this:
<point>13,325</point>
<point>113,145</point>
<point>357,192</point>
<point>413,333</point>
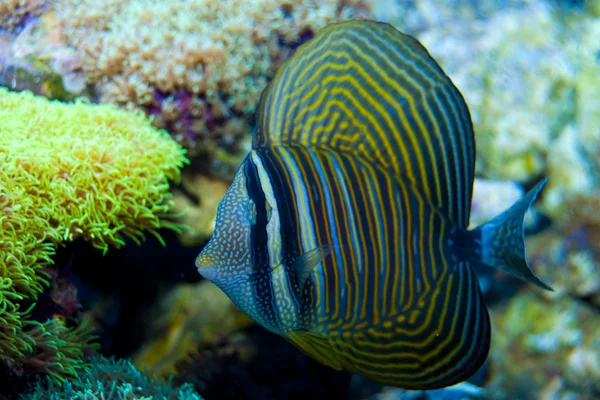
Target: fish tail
<point>502,240</point>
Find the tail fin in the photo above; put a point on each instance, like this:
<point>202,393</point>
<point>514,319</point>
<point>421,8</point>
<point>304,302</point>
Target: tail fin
<point>503,241</point>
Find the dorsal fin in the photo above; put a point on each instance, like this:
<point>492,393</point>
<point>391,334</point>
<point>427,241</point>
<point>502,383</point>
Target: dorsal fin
<point>364,87</point>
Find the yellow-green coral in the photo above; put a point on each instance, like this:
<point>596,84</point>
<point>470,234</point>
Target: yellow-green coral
<point>90,171</point>
<point>71,171</point>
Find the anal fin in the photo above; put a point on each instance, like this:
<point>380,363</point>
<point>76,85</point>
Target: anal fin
<point>316,346</point>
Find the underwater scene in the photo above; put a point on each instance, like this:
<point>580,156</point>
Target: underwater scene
<point>299,199</point>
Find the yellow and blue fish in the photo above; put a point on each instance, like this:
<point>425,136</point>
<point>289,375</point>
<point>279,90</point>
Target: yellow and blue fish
<point>345,228</point>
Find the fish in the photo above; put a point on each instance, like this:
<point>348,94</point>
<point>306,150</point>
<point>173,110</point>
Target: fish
<point>345,227</point>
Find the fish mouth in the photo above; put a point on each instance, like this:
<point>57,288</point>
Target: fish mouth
<point>206,269</point>
<point>205,266</point>
<point>203,262</point>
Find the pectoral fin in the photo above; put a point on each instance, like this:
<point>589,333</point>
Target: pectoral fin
<point>309,260</point>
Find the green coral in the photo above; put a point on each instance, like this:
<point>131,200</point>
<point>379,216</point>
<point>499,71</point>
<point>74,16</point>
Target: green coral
<point>56,350</point>
<point>108,379</point>
<point>70,171</point>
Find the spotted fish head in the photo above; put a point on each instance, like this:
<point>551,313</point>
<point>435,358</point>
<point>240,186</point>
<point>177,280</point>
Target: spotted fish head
<point>226,258</point>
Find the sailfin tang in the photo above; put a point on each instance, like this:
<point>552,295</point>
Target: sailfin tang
<point>309,260</point>
<point>503,241</point>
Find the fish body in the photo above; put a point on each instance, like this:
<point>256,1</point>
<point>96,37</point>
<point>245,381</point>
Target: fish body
<point>345,228</point>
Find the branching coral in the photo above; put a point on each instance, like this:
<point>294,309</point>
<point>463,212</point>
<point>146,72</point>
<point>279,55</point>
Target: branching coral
<point>14,12</point>
<point>70,171</point>
<point>545,348</point>
<point>107,378</point>
<point>197,66</point>
<point>567,259</point>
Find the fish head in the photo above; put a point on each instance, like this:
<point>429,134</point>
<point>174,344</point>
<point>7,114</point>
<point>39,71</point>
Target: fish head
<point>226,259</point>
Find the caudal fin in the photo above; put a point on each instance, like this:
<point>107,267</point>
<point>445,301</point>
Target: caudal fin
<point>503,241</point>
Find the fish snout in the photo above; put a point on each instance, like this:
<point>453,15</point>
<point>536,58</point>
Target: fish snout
<point>203,262</point>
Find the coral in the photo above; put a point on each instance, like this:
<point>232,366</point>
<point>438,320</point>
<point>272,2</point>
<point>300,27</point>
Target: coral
<point>92,172</point>
<point>70,171</point>
<point>190,316</point>
<point>545,348</point>
<point>14,13</point>
<point>572,173</point>
<point>59,350</point>
<point>463,391</point>
<point>490,198</point>
<point>197,66</point>
<point>568,260</point>
<point>201,195</point>
<point>108,378</point>
<point>37,60</point>
<point>422,15</point>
